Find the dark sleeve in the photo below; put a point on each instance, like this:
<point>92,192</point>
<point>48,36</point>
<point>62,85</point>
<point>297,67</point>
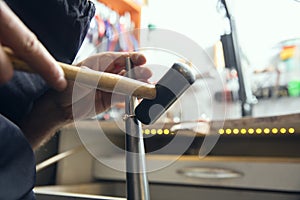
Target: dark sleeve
<point>17,163</point>
<point>17,95</point>
<point>61,26</point>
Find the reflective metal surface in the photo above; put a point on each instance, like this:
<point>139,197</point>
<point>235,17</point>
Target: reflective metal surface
<point>136,177</point>
<point>113,191</point>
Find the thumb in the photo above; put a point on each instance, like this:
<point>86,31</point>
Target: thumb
<point>6,69</point>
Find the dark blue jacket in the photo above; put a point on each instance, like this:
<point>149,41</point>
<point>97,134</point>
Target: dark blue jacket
<point>61,26</point>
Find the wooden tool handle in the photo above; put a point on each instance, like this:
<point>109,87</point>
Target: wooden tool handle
<point>102,80</point>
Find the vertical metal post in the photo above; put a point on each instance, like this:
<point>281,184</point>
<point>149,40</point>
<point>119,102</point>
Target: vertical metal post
<point>136,177</point>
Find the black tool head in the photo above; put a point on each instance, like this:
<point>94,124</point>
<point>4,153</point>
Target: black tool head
<point>168,89</point>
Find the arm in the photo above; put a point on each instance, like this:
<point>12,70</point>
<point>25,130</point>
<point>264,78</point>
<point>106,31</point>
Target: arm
<point>71,17</point>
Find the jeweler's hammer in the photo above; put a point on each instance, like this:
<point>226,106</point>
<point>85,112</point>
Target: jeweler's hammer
<point>168,89</point>
<point>157,98</point>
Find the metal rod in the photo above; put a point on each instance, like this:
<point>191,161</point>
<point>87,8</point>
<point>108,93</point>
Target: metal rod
<point>57,158</point>
<point>136,177</point>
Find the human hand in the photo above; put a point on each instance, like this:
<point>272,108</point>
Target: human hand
<point>85,98</point>
<point>15,35</point>
<point>58,106</point>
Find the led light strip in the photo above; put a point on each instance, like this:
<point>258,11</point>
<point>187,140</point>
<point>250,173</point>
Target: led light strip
<point>257,131</point>
<point>230,131</point>
<point>157,132</point>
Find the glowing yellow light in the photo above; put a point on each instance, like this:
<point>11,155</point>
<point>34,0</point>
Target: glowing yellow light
<point>159,131</point>
<point>250,130</point>
<point>221,131</point>
<point>147,131</point>
<point>266,130</point>
<point>274,130</point>
<point>291,130</point>
<point>166,131</point>
<point>153,131</point>
<point>235,131</point>
<point>258,131</point>
<point>243,131</point>
<point>283,130</point>
<point>228,131</point>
